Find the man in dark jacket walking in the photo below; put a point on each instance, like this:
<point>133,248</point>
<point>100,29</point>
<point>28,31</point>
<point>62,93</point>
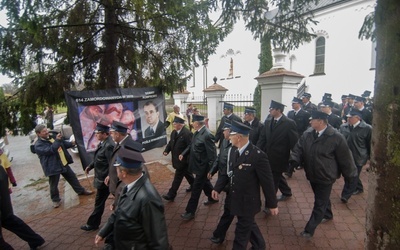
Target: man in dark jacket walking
<point>248,170</point>
<point>252,121</point>
<point>202,155</point>
<point>220,166</point>
<point>179,141</point>
<point>101,160</point>
<point>11,222</point>
<point>54,159</point>
<point>326,156</point>
<point>358,135</point>
<point>277,139</point>
<point>229,116</point>
<point>299,116</point>
<point>138,221</point>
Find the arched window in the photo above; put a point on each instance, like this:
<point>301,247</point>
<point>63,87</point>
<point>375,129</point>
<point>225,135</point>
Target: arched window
<point>320,56</point>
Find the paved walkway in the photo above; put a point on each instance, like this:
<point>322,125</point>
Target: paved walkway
<point>60,227</point>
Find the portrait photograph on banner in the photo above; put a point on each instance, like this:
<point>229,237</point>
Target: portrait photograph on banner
<point>142,110</point>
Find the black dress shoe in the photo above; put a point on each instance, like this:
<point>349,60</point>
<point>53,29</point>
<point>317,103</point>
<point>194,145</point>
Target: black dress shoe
<point>326,220</point>
<point>216,240</point>
<point>168,198</point>
<point>306,234</point>
<point>288,174</point>
<point>210,202</point>
<point>283,197</point>
<point>189,189</point>
<point>187,216</point>
<point>344,199</point>
<point>358,192</point>
<point>266,211</point>
<point>86,192</point>
<point>37,246</point>
<point>87,227</point>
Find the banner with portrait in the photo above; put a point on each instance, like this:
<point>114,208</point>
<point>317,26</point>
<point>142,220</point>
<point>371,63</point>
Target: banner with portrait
<point>142,110</point>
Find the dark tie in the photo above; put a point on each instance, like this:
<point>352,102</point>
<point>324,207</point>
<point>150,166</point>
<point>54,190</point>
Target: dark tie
<point>151,131</point>
<point>237,155</point>
<point>125,190</point>
<point>315,134</point>
<point>351,127</point>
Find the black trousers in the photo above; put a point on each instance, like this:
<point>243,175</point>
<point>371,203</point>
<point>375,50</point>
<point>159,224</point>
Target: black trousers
<point>99,205</point>
<point>201,183</point>
<point>225,220</point>
<point>178,177</point>
<point>247,230</point>
<point>70,177</point>
<point>352,184</point>
<point>281,184</point>
<point>17,226</point>
<point>322,206</point>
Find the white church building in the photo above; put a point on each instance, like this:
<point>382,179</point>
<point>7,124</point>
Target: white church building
<point>336,61</point>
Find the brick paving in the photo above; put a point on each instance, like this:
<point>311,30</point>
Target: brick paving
<point>61,227</point>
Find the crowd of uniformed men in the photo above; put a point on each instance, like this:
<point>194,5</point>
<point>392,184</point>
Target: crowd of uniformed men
<point>327,140</point>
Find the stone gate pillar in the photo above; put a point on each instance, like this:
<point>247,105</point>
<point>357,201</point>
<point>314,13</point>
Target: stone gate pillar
<point>215,95</point>
<point>278,84</point>
<point>180,100</point>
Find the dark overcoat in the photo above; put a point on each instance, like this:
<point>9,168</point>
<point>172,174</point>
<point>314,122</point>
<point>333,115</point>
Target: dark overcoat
<point>250,171</point>
<point>101,161</point>
<point>302,120</point>
<point>278,142</point>
<point>256,128</point>
<point>202,152</point>
<point>325,158</point>
<point>139,221</point>
<point>359,141</point>
<point>176,145</point>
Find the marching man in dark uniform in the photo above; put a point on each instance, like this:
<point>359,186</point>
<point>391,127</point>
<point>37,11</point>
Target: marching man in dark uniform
<point>229,116</point>
<point>138,221</point>
<point>11,222</point>
<point>358,134</point>
<point>277,139</point>
<point>252,121</point>
<point>359,103</point>
<point>202,155</point>
<point>307,104</point>
<point>220,165</point>
<point>333,119</point>
<point>179,141</point>
<point>299,116</point>
<point>326,156</point>
<point>101,159</point>
<point>248,170</point>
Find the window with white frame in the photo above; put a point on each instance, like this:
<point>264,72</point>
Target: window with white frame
<point>319,56</point>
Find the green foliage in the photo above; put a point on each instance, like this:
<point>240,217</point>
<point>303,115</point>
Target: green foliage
<point>51,46</point>
<point>265,65</point>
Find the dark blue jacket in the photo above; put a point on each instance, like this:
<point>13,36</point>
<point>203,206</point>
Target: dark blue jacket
<point>49,156</point>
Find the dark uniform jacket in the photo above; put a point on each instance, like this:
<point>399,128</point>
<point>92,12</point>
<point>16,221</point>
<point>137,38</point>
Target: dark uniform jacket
<point>250,171</point>
<point>101,161</point>
<point>310,107</point>
<point>359,141</point>
<point>256,128</point>
<point>138,222</point>
<point>222,158</point>
<point>324,158</point>
<point>334,120</point>
<point>367,115</point>
<point>177,144</point>
<point>49,156</point>
<point>112,171</point>
<point>302,120</point>
<point>218,135</point>
<point>202,152</point>
<point>278,142</point>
